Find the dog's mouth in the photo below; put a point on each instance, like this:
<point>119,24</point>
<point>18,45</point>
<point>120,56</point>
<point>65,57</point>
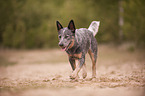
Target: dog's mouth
<point>66,48</point>
<point>63,48</point>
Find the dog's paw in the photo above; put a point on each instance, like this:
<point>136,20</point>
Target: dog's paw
<point>94,79</point>
<point>73,76</point>
<point>74,80</point>
<point>84,74</point>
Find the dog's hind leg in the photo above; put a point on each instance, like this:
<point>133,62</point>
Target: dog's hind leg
<point>93,56</point>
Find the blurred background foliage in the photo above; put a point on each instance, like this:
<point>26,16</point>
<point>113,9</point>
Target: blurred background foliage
<point>32,23</point>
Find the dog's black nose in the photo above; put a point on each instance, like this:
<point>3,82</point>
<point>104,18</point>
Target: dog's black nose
<point>61,45</point>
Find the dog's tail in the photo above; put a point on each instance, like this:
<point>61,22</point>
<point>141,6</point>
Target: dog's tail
<point>94,26</point>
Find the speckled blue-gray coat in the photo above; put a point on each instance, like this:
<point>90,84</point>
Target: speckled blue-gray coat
<point>77,42</point>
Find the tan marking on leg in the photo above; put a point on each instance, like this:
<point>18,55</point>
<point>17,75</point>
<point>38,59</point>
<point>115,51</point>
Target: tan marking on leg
<point>91,55</point>
<point>94,70</point>
<point>93,64</point>
<point>84,74</point>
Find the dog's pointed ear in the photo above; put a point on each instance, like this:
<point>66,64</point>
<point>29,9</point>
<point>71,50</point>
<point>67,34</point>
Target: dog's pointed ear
<point>59,26</point>
<point>71,26</point>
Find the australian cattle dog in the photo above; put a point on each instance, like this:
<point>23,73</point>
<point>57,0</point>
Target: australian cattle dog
<point>76,43</point>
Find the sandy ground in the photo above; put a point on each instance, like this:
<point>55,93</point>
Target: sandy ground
<point>120,72</point>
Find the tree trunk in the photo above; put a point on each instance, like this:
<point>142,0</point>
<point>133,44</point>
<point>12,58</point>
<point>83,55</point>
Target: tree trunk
<point>121,21</point>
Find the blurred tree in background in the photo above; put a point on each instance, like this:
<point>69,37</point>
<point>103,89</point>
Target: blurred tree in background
<point>31,23</point>
<point>134,27</point>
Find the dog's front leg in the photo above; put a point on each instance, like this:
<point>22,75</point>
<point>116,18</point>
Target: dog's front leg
<point>74,75</point>
<point>72,62</point>
<point>84,73</point>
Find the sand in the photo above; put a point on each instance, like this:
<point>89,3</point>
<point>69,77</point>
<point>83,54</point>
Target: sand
<point>120,72</point>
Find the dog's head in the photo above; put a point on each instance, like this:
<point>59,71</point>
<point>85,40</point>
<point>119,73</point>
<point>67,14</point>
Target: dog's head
<point>66,35</point>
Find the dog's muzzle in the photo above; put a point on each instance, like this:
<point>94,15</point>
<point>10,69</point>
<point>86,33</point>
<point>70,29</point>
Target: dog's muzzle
<point>63,47</point>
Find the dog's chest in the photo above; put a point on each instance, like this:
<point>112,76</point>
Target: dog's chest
<point>75,53</point>
<point>75,56</point>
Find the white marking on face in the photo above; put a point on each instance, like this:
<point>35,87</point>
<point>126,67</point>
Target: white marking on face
<point>63,31</point>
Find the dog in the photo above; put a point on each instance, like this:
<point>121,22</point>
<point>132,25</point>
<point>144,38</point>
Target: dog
<point>76,43</point>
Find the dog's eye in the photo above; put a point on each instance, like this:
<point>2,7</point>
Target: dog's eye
<point>59,36</point>
<point>66,36</point>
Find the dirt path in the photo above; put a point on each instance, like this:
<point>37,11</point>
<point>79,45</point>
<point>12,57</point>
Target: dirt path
<point>46,73</point>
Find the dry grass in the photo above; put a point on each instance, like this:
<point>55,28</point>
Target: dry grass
<point>46,73</point>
